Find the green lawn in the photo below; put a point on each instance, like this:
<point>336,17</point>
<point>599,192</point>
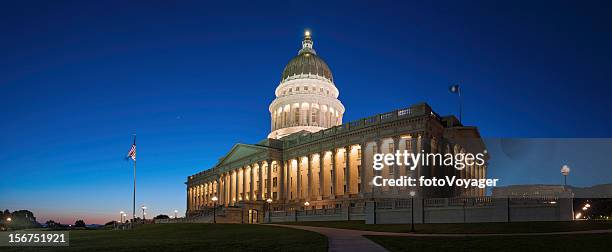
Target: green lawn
<point>583,242</point>
<point>467,228</point>
<point>200,237</point>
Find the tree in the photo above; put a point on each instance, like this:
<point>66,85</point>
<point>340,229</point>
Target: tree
<point>50,223</point>
<point>161,217</point>
<point>110,223</point>
<point>79,223</point>
<point>23,219</point>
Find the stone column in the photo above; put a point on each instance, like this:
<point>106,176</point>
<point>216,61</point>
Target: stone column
<point>362,171</point>
<point>205,202</point>
<point>260,179</point>
<point>199,196</point>
<point>236,187</point>
<point>308,115</point>
<point>251,183</point>
<point>225,187</point>
<point>218,193</point>
<point>244,185</point>
<point>298,173</point>
<point>229,188</point>
<point>333,173</point>
<point>269,185</point>
<point>379,143</point>
<point>188,198</point>
<point>220,189</point>
<point>321,174</point>
<point>414,150</point>
<point>396,141</point>
<point>281,181</point>
<point>309,167</point>
<point>347,175</point>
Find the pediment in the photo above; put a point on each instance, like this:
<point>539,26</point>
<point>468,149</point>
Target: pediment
<point>240,151</point>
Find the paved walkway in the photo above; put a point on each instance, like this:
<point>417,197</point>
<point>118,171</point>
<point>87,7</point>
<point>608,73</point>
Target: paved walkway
<point>342,239</point>
<point>354,240</point>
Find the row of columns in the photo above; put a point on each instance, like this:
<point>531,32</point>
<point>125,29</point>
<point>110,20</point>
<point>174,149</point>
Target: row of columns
<point>282,118</point>
<point>345,172</point>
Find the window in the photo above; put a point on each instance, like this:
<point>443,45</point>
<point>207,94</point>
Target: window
<point>305,88</point>
<point>321,90</point>
<point>390,147</point>
<point>274,182</point>
<point>274,168</point>
<point>290,90</point>
<point>359,154</point>
<point>297,89</point>
<point>275,195</point>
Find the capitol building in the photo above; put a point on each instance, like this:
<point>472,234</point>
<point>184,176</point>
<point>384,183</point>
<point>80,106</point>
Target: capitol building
<point>312,159</point>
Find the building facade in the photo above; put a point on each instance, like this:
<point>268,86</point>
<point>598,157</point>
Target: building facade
<point>312,159</point>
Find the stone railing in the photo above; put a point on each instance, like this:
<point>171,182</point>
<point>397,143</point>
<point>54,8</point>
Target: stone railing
<point>413,111</point>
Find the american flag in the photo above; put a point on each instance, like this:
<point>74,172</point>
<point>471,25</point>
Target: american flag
<point>132,153</point>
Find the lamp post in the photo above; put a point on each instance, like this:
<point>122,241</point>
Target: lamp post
<point>175,213</point>
<point>121,216</point>
<point>269,201</point>
<point>143,213</point>
<point>214,199</point>
<point>412,194</point>
<point>586,207</point>
<point>565,170</point>
<point>306,204</point>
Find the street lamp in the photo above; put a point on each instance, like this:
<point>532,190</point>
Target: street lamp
<point>412,194</point>
<point>143,213</point>
<point>214,199</point>
<point>269,201</point>
<point>306,204</point>
<point>175,213</point>
<point>9,219</point>
<point>121,216</point>
<point>565,170</point>
<point>585,208</point>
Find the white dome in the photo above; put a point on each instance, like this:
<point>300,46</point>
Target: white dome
<point>306,98</point>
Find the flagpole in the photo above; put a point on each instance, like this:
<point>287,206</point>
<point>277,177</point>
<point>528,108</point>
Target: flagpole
<point>134,193</point>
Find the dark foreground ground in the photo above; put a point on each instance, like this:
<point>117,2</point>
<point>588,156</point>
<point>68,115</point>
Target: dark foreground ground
<point>581,242</point>
<point>468,228</point>
<point>192,237</point>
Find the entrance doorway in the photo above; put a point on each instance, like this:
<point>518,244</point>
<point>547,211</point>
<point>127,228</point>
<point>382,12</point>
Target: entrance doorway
<point>253,216</point>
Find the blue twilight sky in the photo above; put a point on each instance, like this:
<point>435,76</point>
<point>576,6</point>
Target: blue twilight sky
<point>193,78</point>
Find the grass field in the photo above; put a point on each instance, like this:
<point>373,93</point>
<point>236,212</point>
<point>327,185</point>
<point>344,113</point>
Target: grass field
<point>468,228</point>
<point>194,237</point>
<point>582,242</point>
